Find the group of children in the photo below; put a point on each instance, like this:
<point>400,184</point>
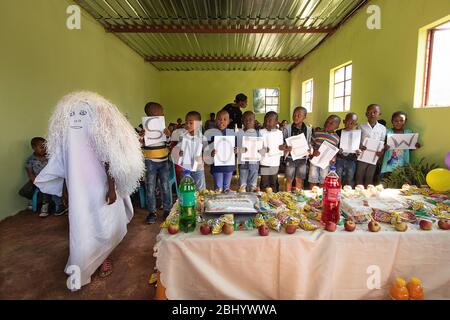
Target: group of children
<point>351,171</point>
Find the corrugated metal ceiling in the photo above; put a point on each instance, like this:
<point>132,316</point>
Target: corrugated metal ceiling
<point>249,19</point>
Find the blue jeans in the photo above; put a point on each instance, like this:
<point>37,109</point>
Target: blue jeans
<point>160,170</point>
<point>222,180</point>
<point>346,170</point>
<point>248,176</point>
<point>46,198</point>
<point>199,178</point>
<point>296,169</point>
<point>317,174</point>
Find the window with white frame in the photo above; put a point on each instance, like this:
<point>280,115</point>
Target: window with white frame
<point>340,88</point>
<point>266,99</point>
<point>307,94</point>
<point>437,67</point>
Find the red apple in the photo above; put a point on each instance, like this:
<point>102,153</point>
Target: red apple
<point>228,228</point>
<point>444,224</point>
<point>291,228</point>
<point>350,225</point>
<point>402,226</point>
<point>374,226</point>
<point>330,226</point>
<point>205,229</point>
<point>426,225</point>
<point>263,230</point>
<point>173,228</point>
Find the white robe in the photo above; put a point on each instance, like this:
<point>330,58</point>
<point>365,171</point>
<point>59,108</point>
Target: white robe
<point>96,228</point>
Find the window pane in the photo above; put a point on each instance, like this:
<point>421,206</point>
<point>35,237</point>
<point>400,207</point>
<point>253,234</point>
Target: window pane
<point>308,86</point>
<point>347,103</point>
<point>348,87</point>
<point>338,105</point>
<point>272,100</point>
<point>258,93</point>
<point>339,75</point>
<point>258,105</point>
<point>308,106</point>
<point>308,97</point>
<point>272,92</point>
<point>271,108</point>
<point>439,93</point>
<point>339,89</point>
<point>348,72</point>
<point>258,100</point>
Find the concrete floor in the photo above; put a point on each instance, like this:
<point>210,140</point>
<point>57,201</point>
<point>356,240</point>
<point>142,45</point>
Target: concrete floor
<point>34,252</point>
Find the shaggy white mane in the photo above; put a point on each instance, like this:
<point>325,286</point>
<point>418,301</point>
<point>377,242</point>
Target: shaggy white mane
<point>111,135</point>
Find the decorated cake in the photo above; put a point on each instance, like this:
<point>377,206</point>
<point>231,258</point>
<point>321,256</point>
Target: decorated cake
<point>231,202</point>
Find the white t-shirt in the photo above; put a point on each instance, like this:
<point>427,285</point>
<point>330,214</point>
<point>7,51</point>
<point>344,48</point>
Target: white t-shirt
<point>378,132</point>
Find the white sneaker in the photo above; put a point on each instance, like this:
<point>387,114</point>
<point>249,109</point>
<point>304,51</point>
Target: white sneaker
<point>29,206</point>
<point>44,210</point>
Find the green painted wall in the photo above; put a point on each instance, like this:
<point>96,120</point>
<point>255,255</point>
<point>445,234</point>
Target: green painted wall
<point>384,67</point>
<point>209,91</point>
<point>40,61</point>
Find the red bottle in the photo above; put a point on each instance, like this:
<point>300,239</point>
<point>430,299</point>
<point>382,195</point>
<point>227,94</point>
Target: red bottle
<point>330,198</point>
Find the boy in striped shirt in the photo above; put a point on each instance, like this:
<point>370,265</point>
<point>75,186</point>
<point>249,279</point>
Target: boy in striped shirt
<point>316,174</point>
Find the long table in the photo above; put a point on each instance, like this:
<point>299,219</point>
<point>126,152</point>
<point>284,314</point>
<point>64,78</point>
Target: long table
<point>303,265</point>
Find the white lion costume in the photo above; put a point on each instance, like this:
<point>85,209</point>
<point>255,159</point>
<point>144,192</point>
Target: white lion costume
<point>86,131</point>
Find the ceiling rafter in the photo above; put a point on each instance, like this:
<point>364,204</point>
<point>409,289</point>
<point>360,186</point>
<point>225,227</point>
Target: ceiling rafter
<point>220,59</point>
<point>213,29</point>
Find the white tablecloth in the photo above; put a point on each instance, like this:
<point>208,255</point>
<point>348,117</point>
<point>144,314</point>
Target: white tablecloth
<point>305,265</point>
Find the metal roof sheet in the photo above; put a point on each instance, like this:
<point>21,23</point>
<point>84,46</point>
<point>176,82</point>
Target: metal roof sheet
<point>257,29</point>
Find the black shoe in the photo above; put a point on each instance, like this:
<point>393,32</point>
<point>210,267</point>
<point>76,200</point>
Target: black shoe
<point>166,214</point>
<point>151,218</point>
<point>60,211</point>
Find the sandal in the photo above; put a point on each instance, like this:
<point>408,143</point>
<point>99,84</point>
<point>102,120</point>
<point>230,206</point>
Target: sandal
<point>106,268</point>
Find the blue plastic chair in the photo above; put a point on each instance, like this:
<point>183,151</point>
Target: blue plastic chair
<point>34,200</point>
<point>172,182</point>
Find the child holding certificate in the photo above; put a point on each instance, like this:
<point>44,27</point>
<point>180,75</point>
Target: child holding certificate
<point>274,147</point>
<point>298,168</point>
<point>347,157</point>
<point>317,174</point>
<point>248,170</point>
<point>394,158</point>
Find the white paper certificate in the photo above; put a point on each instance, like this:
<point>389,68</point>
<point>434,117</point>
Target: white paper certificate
<point>273,141</point>
<point>253,145</point>
<point>154,130</point>
<point>299,146</point>
<point>224,146</point>
<point>350,140</point>
<point>372,146</point>
<point>402,140</point>
<point>192,148</point>
<point>327,152</point>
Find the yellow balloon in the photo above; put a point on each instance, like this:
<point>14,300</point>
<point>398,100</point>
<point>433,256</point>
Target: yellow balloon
<point>439,179</point>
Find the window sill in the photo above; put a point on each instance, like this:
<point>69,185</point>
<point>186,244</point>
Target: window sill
<point>432,107</point>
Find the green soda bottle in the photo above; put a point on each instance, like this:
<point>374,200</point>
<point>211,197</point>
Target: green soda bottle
<point>187,203</point>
